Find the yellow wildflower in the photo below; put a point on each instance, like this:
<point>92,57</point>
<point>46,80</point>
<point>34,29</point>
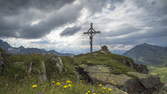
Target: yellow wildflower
<point>69,85</point>
<point>89,91</point>
<point>53,82</point>
<point>109,89</point>
<point>68,82</point>
<point>65,86</point>
<point>34,86</point>
<point>58,83</point>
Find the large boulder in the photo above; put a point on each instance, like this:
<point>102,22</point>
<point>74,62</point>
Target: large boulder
<point>138,67</point>
<point>142,84</point>
<point>131,82</point>
<point>103,74</point>
<point>54,66</point>
<point>42,67</point>
<point>48,67</point>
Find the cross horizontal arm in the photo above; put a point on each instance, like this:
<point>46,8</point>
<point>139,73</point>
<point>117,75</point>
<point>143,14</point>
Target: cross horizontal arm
<point>86,33</point>
<point>92,32</point>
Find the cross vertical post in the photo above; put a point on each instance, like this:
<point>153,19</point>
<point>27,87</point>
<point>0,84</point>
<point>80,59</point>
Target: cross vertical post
<point>91,32</point>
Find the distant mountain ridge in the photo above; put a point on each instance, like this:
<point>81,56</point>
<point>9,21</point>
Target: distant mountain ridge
<point>148,54</point>
<point>21,50</point>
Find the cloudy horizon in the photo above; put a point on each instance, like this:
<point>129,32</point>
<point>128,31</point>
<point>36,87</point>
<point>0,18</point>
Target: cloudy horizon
<point>59,24</point>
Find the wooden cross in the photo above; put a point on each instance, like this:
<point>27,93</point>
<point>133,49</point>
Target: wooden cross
<point>91,32</point>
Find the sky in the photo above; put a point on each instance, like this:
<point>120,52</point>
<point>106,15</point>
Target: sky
<point>59,24</point>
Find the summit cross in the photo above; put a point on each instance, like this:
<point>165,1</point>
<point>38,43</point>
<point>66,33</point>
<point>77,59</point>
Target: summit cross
<point>91,32</point>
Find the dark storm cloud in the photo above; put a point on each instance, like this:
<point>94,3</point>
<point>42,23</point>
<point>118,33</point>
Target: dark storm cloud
<point>45,27</point>
<point>14,6</point>
<point>70,31</point>
<point>16,16</point>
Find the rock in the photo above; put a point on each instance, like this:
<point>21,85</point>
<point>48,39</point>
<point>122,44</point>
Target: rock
<point>138,67</point>
<point>58,63</point>
<point>142,84</point>
<point>102,73</point>
<point>150,82</point>
<point>2,67</point>
<point>141,68</point>
<point>43,74</point>
<point>132,82</point>
<point>163,90</point>
<point>104,49</point>
<point>54,66</point>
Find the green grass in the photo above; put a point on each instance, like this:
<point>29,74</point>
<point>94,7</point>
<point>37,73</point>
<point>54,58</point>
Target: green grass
<point>160,71</point>
<point>8,87</point>
<point>111,60</point>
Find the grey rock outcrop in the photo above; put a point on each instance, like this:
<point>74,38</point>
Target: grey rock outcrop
<point>57,62</point>
<point>42,67</point>
<point>138,67</point>
<point>132,82</point>
<point>2,66</point>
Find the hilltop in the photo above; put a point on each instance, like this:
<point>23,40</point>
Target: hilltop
<point>99,72</point>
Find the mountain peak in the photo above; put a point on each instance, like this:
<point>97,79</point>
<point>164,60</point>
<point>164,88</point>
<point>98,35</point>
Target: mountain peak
<point>148,54</point>
<point>4,44</point>
<point>145,44</point>
<point>21,47</point>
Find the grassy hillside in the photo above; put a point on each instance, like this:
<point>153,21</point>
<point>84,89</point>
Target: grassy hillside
<point>17,78</point>
<point>160,71</point>
<point>112,60</point>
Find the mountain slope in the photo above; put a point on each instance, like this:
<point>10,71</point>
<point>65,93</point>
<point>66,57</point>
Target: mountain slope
<point>148,54</point>
<point>21,50</point>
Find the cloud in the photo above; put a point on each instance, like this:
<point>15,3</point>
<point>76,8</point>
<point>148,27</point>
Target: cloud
<point>70,31</point>
<point>31,19</point>
<point>59,24</point>
<point>11,7</point>
<point>21,25</point>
